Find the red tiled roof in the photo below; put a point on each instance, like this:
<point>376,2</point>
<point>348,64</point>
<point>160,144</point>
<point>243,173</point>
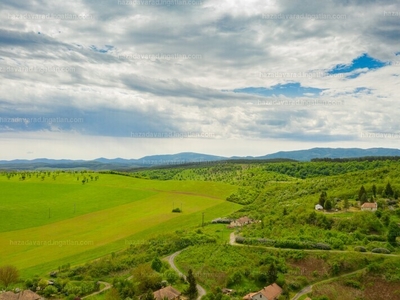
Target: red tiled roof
<point>272,291</point>
<point>24,295</point>
<point>369,205</point>
<point>168,292</point>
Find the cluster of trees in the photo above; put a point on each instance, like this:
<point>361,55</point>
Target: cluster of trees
<point>387,192</point>
<point>147,278</point>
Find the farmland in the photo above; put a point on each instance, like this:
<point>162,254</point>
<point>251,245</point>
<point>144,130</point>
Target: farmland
<point>50,222</point>
<point>109,226</point>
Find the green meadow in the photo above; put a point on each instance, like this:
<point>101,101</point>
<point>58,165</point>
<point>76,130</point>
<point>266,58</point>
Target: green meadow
<point>51,222</point>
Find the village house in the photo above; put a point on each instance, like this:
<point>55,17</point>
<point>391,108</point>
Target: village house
<point>271,292</point>
<point>240,222</point>
<point>367,206</point>
<point>167,293</point>
<point>24,295</point>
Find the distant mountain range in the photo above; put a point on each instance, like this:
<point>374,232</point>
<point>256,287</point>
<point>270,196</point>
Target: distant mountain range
<point>188,158</point>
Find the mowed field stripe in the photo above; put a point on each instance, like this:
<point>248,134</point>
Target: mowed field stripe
<point>95,229</point>
<point>183,221</point>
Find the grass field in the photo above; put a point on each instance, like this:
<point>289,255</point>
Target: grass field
<point>45,224</point>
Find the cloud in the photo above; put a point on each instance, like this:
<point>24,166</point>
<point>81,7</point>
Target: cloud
<point>299,72</point>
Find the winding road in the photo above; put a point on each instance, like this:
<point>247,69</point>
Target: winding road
<point>171,262</point>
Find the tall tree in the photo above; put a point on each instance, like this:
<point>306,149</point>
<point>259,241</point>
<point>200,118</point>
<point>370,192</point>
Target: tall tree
<point>363,198</point>
<point>272,274</point>
<point>147,279</point>
<point>361,192</point>
<point>191,291</point>
<point>322,198</point>
<point>8,274</point>
<point>328,204</point>
<point>388,190</point>
<point>374,190</point>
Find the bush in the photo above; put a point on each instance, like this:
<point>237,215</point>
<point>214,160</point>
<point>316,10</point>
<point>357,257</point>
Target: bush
<point>380,250</point>
<point>49,290</point>
<point>353,283</point>
<point>360,249</point>
<point>322,246</point>
<point>240,240</point>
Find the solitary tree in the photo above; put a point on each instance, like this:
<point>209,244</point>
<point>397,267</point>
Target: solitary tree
<point>363,198</point>
<point>272,274</point>
<point>328,204</point>
<point>388,190</point>
<point>8,274</point>
<point>374,190</point>
<point>362,192</point>
<point>191,291</point>
<point>322,198</point>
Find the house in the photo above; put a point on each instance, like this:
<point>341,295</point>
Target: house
<point>167,293</point>
<point>319,207</point>
<point>240,222</point>
<point>367,206</point>
<point>271,292</point>
<point>24,295</point>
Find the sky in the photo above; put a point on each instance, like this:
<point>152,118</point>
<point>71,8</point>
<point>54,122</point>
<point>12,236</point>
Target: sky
<point>111,78</point>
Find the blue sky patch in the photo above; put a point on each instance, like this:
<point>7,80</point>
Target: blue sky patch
<point>362,62</point>
<point>288,89</point>
<point>362,90</point>
<point>105,49</point>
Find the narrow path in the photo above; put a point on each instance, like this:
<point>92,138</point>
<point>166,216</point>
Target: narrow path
<point>107,287</point>
<point>171,262</point>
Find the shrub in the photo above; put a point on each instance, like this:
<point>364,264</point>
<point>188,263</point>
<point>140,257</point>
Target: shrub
<point>360,249</point>
<point>240,240</point>
<point>380,250</point>
<point>49,290</point>
<point>353,283</point>
<point>322,246</point>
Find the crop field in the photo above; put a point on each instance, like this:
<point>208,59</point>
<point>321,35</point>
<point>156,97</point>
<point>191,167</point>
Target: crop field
<point>45,223</point>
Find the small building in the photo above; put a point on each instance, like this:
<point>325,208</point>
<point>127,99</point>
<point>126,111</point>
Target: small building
<point>167,293</point>
<point>24,295</point>
<point>319,207</point>
<point>271,292</point>
<point>368,206</point>
<point>240,222</point>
